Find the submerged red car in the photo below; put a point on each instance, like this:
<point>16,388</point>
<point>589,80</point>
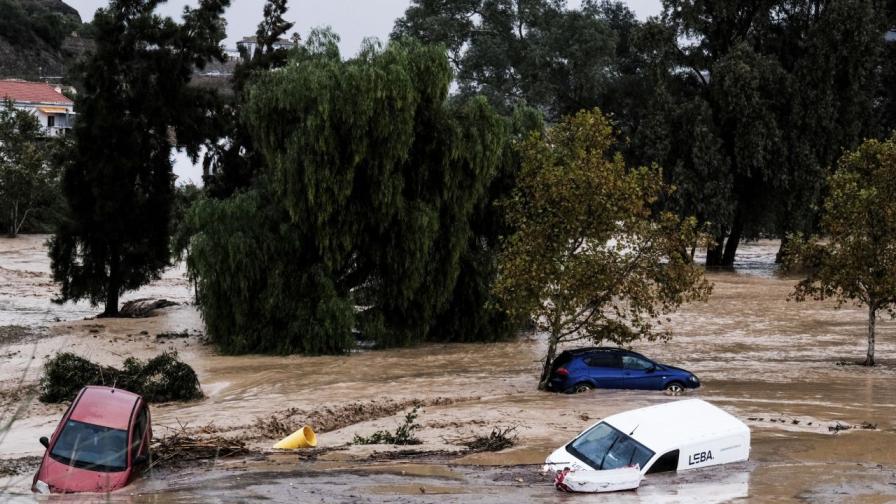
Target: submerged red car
<point>99,445</point>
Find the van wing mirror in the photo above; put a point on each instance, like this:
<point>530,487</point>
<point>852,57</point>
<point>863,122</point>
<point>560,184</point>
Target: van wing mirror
<point>45,441</point>
<point>141,459</point>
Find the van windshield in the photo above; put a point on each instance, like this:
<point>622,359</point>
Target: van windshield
<point>91,447</point>
<point>605,447</point>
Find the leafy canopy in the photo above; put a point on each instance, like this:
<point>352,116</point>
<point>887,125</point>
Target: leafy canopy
<point>372,180</point>
<point>29,180</point>
<point>537,53</point>
<point>134,105</point>
<point>590,258</point>
<point>857,259</point>
<point>747,104</point>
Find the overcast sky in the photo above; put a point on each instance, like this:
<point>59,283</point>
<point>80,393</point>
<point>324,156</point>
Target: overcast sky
<point>353,20</point>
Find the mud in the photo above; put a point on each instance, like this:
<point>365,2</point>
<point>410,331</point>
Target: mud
<point>769,361</point>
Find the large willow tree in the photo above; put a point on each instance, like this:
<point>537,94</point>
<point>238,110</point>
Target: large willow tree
<point>372,181</point>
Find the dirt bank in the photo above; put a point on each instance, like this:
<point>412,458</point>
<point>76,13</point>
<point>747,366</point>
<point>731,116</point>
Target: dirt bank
<point>768,361</point>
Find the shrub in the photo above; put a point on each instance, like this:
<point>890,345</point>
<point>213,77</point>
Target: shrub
<point>403,435</point>
<point>161,379</point>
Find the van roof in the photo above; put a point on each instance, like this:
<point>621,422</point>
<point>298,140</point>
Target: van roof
<point>676,424</point>
<point>105,406</point>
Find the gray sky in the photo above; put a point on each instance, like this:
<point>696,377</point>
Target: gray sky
<point>353,20</point>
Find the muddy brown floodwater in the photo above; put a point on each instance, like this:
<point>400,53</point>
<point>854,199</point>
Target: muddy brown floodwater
<point>777,365</point>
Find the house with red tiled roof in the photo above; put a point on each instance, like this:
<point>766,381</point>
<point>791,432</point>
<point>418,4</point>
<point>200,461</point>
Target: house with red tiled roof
<point>55,111</point>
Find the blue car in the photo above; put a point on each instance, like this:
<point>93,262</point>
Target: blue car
<point>584,369</point>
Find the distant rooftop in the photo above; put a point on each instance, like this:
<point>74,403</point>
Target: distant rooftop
<point>35,92</point>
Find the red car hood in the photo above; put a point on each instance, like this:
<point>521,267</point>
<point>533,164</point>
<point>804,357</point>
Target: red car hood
<point>63,478</point>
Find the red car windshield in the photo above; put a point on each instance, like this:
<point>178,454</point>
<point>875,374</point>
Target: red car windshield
<point>91,447</point>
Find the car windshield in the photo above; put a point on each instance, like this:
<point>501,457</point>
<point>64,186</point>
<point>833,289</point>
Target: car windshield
<point>604,447</point>
<point>91,447</point>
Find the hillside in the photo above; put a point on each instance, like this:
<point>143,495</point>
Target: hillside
<point>40,38</point>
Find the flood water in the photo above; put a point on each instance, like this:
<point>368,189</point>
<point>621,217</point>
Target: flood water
<point>771,362</point>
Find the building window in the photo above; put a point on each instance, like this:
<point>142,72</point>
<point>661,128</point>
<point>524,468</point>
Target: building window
<point>51,121</point>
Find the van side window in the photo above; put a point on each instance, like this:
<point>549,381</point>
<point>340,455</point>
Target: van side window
<point>668,462</point>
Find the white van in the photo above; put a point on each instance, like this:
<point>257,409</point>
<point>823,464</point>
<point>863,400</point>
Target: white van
<point>672,436</point>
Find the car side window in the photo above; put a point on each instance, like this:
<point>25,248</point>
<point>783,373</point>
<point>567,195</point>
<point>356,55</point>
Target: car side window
<point>637,363</point>
<point>603,359</point>
<point>139,432</point>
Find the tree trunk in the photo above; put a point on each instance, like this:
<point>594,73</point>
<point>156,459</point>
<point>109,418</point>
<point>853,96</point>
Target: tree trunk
<point>714,253</point>
<point>872,322</point>
<point>549,359</point>
<point>733,241</point>
<point>113,286</point>
<point>13,217</point>
<point>779,257</point>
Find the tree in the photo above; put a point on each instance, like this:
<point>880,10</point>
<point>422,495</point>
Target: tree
<point>232,162</point>
<point>591,258</point>
<point>134,105</point>
<point>528,52</point>
<point>372,178</point>
<point>29,181</point>
<point>750,103</point>
<point>856,261</point>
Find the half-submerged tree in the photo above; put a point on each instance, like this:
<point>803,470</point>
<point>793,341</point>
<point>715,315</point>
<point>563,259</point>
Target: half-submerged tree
<point>856,261</point>
<point>750,102</point>
<point>29,180</point>
<point>134,105</point>
<point>371,180</point>
<point>591,258</point>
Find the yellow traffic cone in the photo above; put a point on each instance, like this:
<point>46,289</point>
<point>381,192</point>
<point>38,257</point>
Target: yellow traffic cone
<point>302,438</point>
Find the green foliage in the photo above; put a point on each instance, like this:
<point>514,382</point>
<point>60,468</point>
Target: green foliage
<point>590,258</point>
<point>163,378</point>
<point>25,23</point>
<point>536,53</point>
<point>185,197</point>
<point>231,161</point>
<point>118,181</point>
<point>856,261</point>
<point>29,180</point>
<point>747,107</point>
<point>473,313</point>
<point>253,287</point>
<point>379,177</point>
<point>403,435</point>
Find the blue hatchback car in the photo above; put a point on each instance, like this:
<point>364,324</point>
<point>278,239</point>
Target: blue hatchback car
<point>584,369</point>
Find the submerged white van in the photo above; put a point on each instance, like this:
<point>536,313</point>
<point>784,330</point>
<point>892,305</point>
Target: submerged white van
<point>672,436</point>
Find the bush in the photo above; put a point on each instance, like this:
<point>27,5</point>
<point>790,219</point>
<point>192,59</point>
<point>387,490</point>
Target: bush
<point>161,379</point>
<point>403,435</point>
<point>66,373</point>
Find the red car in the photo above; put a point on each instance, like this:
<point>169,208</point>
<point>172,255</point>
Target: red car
<point>99,445</point>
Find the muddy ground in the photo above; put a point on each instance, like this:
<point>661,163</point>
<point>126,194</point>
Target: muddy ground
<point>786,369</point>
